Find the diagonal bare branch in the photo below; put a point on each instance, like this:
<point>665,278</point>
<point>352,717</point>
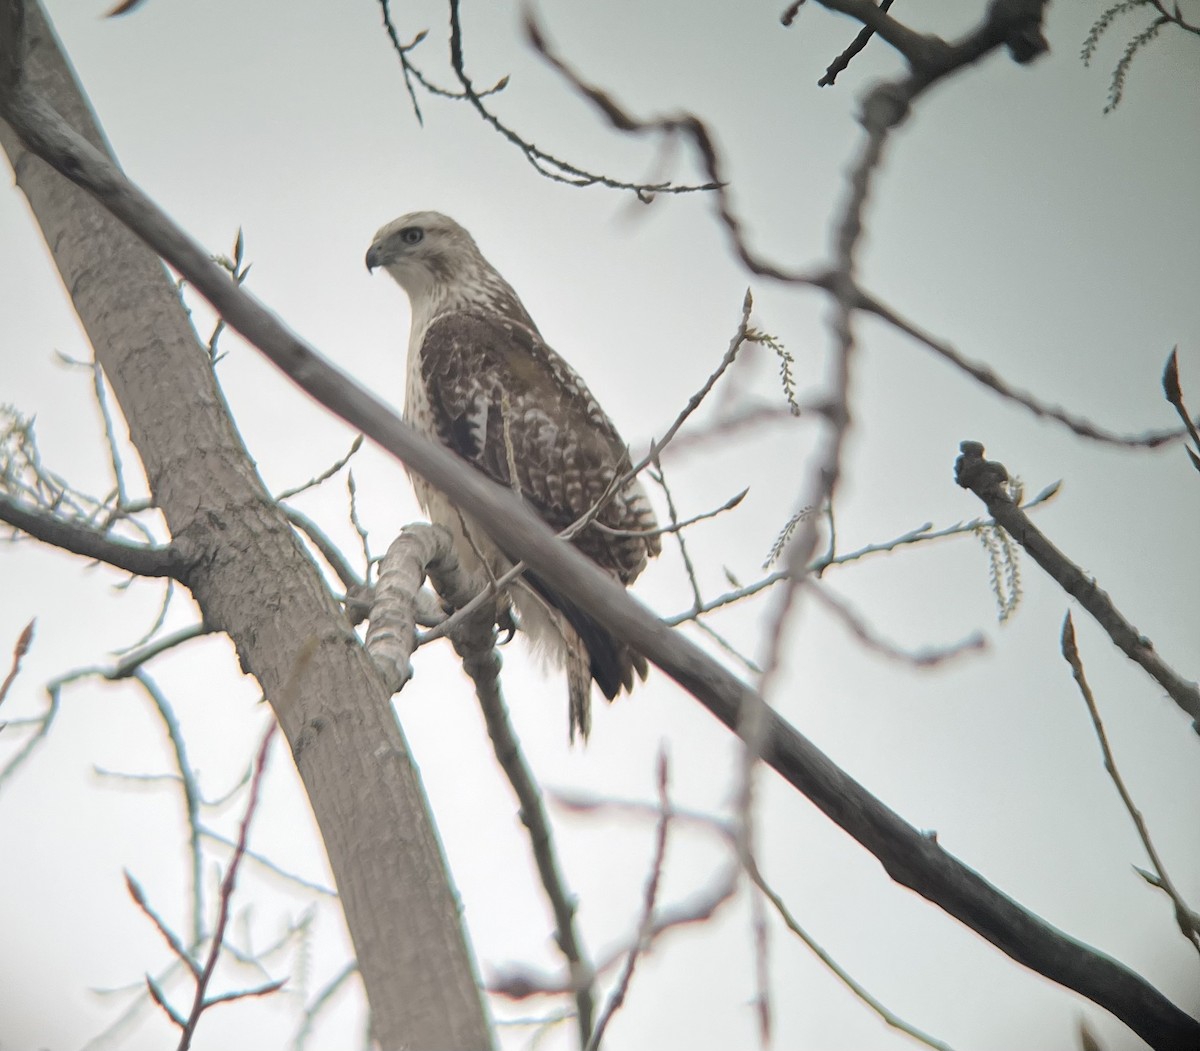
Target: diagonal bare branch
<point>1184,916</point>
<point>987,377</point>
<point>988,480</point>
<point>646,920</point>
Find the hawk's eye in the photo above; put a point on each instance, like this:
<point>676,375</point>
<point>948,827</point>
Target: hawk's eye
<point>412,235</point>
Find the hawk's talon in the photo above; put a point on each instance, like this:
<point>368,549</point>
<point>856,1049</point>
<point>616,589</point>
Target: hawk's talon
<point>507,623</point>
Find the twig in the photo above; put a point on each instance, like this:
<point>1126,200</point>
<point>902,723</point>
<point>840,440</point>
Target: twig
<point>1174,395</point>
<point>124,668</point>
<point>269,865</point>
<point>191,795</point>
<point>1183,914</point>
<point>1176,17</point>
<point>923,658</point>
<point>747,662</point>
<point>325,475</point>
<point>619,481</point>
<point>762,971</point>
<point>407,69</point>
<point>328,549</point>
<point>110,434</point>
<point>697,909</point>
<point>988,480</point>
<point>752,416</point>
<point>837,970</point>
<point>241,994</point>
<point>20,648</point>
<point>176,946</point>
<point>239,274</point>
<point>726,830</point>
<point>359,528</point>
<point>312,1010</point>
<point>690,128</point>
<point>674,526</point>
<point>546,164</point>
<point>199,1002</point>
<point>1015,25</point>
<point>988,378</point>
<point>1156,881</point>
<point>533,815</point>
<point>846,57</point>
<point>202,973</point>
<point>132,660</point>
<point>919,535</point>
<point>41,728</point>
<point>119,498</point>
<point>144,779</point>
<point>159,996</point>
<point>919,50</point>
<point>160,618</point>
<point>645,922</point>
<point>693,403</point>
<point>878,120</point>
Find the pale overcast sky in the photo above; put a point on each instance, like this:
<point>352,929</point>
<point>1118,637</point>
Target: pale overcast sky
<point>1012,218</point>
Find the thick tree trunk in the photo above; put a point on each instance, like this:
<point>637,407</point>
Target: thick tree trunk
<point>252,579</point>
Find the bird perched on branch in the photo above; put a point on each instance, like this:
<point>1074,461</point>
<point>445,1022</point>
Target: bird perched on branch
<point>483,383</point>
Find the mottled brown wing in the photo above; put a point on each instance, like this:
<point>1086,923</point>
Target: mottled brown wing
<point>513,408</point>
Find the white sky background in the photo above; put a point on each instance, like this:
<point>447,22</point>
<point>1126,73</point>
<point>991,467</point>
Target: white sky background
<point>1060,246</point>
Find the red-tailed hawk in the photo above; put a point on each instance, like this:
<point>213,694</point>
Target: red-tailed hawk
<point>483,383</point>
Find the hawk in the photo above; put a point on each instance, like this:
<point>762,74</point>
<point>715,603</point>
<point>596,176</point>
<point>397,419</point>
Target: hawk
<point>483,383</point>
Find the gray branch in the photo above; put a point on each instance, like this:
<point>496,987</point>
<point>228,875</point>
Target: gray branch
<point>143,560</point>
<point>392,633</point>
<point>475,642</point>
<point>988,480</point>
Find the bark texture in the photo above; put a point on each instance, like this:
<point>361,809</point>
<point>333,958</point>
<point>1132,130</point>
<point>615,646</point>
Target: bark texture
<point>253,580</point>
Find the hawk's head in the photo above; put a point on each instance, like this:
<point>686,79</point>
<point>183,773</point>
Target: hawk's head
<point>438,264</point>
<point>424,250</point>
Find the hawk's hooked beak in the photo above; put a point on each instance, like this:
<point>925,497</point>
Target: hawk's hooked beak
<point>374,257</point>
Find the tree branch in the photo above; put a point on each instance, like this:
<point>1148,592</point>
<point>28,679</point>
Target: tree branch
<point>846,57</point>
<point>142,560</point>
<point>1183,914</point>
<point>474,638</point>
<point>988,480</point>
<point>985,376</point>
<point>391,634</point>
<point>917,48</point>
